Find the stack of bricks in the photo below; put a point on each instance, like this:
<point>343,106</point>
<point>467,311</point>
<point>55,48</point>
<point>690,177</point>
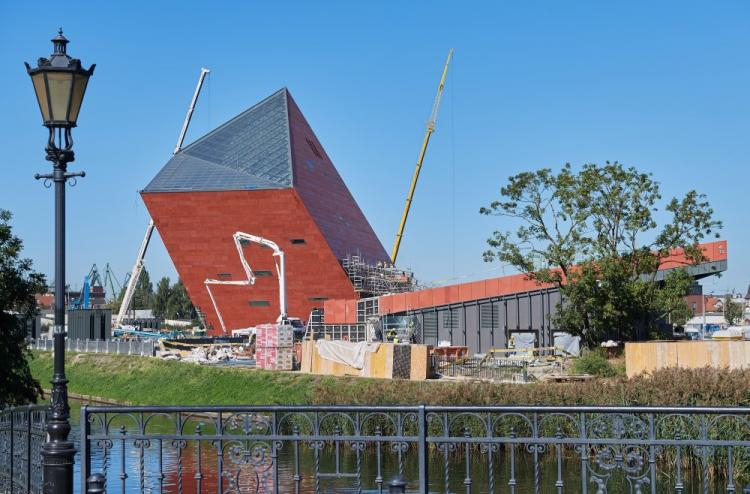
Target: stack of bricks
<point>274,347</point>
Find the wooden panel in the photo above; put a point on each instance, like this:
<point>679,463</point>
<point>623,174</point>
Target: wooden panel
<point>650,356</point>
<point>420,362</point>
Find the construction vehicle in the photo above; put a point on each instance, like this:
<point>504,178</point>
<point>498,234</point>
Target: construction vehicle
<point>138,267</point>
<point>278,254</point>
<point>420,159</point>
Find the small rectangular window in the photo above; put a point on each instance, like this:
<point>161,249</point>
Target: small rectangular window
<point>316,299</point>
<point>224,275</point>
<point>263,273</point>
<point>298,241</point>
<point>314,148</point>
<point>259,303</point>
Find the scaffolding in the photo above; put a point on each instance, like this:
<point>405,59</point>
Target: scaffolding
<point>377,279</point>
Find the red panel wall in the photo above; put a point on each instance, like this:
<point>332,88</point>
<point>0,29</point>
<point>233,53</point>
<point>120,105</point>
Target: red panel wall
<point>197,229</point>
<point>326,196</point>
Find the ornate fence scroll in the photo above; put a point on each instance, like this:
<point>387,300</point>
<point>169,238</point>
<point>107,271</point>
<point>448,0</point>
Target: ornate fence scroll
<point>435,449</point>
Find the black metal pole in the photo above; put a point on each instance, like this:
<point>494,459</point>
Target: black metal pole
<point>58,452</point>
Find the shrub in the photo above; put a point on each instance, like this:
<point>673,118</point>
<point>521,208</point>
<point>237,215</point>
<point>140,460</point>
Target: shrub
<point>594,362</point>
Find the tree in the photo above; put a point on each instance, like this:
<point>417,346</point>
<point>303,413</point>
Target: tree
<point>18,285</point>
<point>180,306</point>
<point>732,311</point>
<point>595,235</point>
<point>161,298</point>
<point>144,292</point>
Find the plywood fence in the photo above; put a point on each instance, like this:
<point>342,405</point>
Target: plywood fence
<point>380,364</point>
<point>653,355</point>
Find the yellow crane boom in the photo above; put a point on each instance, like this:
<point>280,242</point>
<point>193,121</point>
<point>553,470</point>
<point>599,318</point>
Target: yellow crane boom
<point>420,159</point>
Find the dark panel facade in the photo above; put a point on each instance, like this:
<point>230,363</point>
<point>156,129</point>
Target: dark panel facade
<point>490,322</point>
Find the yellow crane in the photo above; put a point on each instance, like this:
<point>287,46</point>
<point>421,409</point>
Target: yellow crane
<point>429,131</point>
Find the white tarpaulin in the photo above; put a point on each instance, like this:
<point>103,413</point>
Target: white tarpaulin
<point>345,352</point>
<point>568,343</point>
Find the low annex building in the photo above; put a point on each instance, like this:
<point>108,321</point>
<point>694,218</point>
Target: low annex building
<point>263,172</point>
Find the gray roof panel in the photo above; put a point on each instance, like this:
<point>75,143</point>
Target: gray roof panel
<point>250,151</point>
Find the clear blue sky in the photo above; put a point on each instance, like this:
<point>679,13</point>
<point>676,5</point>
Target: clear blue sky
<point>663,86</point>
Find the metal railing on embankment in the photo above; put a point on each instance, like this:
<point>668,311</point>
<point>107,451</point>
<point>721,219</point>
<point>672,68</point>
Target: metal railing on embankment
<point>22,433</point>
<point>481,368</point>
<point>433,449</point>
<point>145,348</point>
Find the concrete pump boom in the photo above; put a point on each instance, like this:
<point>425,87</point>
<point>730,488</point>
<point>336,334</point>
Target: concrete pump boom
<point>420,159</point>
<point>138,267</point>
<point>239,237</point>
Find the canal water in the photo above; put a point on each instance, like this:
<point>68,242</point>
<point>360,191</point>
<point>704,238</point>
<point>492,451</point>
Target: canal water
<point>180,468</point>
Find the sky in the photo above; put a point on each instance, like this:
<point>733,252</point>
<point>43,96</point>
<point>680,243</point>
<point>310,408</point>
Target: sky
<point>662,86</point>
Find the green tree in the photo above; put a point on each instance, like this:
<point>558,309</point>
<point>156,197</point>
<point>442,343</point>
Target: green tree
<point>161,298</point>
<point>18,285</point>
<point>732,311</point>
<point>180,306</point>
<point>143,295</point>
<point>595,234</point>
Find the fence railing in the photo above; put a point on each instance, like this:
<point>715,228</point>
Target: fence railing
<point>22,433</point>
<point>146,348</point>
<point>481,368</point>
<point>433,449</point>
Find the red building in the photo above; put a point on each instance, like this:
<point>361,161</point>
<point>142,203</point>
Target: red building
<point>263,172</point>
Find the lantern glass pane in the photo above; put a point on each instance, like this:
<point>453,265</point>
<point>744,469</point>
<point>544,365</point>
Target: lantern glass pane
<point>79,88</point>
<point>41,94</point>
<point>59,94</point>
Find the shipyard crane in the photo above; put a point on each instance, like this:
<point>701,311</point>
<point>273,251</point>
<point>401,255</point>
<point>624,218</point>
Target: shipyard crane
<point>110,280</point>
<point>239,238</point>
<point>138,267</point>
<point>420,159</point>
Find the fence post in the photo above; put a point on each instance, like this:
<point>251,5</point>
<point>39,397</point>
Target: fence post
<point>12,420</point>
<point>95,484</point>
<point>422,445</point>
<point>28,448</point>
<point>397,486</point>
<point>85,454</point>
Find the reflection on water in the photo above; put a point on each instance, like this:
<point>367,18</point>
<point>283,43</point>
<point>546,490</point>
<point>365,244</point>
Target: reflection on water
<point>161,465</point>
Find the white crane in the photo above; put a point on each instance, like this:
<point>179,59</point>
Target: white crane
<point>239,237</point>
<point>138,267</point>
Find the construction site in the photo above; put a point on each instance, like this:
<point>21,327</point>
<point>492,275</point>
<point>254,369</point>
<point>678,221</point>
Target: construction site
<point>279,260</point>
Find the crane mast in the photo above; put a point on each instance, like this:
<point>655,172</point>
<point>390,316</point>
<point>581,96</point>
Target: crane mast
<point>430,129</point>
<point>138,267</point>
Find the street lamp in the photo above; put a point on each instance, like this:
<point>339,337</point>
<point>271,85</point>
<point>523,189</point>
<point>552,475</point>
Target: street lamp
<point>59,83</point>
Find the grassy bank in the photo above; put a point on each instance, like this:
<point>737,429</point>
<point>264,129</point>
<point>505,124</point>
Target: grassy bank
<point>149,381</point>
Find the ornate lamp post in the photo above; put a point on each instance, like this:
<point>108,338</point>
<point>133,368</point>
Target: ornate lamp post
<point>60,83</point>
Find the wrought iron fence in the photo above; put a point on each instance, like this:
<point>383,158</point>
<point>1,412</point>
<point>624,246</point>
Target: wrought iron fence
<point>145,348</point>
<point>22,433</point>
<point>489,369</point>
<point>435,449</point>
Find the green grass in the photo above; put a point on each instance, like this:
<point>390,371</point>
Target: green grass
<point>150,381</point>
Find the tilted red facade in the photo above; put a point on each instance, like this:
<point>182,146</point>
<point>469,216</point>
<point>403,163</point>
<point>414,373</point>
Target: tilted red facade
<point>308,212</point>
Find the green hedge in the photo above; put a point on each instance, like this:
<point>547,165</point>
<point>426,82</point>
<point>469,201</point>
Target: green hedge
<point>150,381</point>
